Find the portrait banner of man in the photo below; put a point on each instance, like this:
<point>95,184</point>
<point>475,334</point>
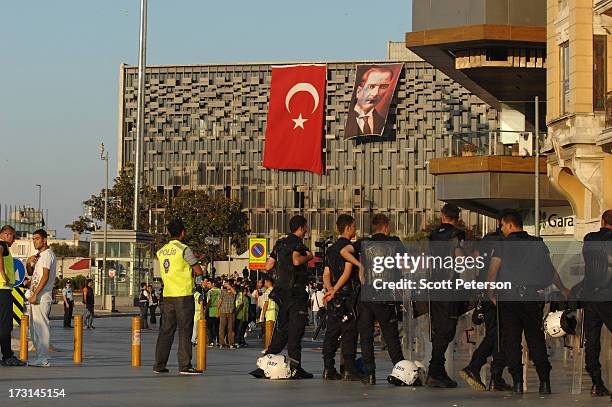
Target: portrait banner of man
<point>372,95</point>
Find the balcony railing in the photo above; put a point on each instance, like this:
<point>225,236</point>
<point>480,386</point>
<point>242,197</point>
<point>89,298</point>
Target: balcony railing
<point>492,143</point>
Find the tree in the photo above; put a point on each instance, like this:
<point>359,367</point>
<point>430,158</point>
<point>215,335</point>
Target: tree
<point>120,206</point>
<point>205,216</point>
<point>63,250</point>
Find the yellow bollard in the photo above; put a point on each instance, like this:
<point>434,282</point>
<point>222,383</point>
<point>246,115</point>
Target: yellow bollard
<point>269,332</point>
<point>136,342</point>
<point>23,337</point>
<point>78,339</point>
<point>201,362</point>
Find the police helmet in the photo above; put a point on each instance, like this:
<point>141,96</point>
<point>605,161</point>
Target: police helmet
<point>560,323</point>
<point>404,373</point>
<point>262,362</point>
<point>277,368</point>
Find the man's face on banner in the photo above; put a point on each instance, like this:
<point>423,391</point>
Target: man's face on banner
<point>374,88</point>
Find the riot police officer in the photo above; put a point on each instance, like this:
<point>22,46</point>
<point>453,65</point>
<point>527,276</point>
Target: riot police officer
<point>446,240</point>
<point>597,292</point>
<point>486,313</point>
<point>384,312</point>
<point>289,258</point>
<point>524,261</point>
<point>341,280</point>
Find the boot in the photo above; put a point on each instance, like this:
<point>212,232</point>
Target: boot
<point>258,373</point>
<point>472,379</point>
<point>441,380</point>
<point>517,387</point>
<point>369,379</point>
<point>498,383</point>
<point>598,389</point>
<point>351,376</point>
<point>331,374</point>
<point>544,387</point>
<point>299,373</point>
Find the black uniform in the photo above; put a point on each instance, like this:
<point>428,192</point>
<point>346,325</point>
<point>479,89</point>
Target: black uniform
<point>341,319</point>
<point>386,315</point>
<point>525,262</point>
<point>597,292</point>
<point>290,294</point>
<point>488,347</point>
<point>444,314</point>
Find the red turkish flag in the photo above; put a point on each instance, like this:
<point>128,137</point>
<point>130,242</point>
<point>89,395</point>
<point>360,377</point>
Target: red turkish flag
<point>295,118</point>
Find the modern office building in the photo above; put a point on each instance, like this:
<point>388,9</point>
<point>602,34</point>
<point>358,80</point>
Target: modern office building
<point>205,129</point>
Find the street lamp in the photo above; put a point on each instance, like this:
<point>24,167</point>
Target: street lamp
<point>104,157</point>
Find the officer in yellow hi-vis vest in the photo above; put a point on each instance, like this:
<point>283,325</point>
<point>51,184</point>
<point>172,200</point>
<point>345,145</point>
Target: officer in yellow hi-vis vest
<point>7,280</point>
<point>178,266</point>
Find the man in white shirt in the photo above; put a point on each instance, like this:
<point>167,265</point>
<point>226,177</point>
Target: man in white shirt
<point>41,267</point>
<point>318,305</point>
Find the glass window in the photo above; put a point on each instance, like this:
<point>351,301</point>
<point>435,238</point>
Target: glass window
<point>564,72</point>
<point>599,72</point>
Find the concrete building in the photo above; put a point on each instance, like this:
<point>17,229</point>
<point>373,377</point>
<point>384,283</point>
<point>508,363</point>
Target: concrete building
<point>205,129</point>
<point>579,108</point>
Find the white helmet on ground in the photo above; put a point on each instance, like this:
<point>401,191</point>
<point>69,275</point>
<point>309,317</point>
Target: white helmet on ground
<point>262,362</point>
<point>558,324</point>
<point>404,373</point>
<point>277,368</point>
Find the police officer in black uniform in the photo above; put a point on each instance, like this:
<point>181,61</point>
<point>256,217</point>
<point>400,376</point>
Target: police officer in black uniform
<point>487,312</point>
<point>444,314</point>
<point>341,280</point>
<point>289,258</point>
<point>597,292</point>
<point>524,261</point>
<point>384,312</point>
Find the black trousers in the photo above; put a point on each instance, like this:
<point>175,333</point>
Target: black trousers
<point>369,312</point>
<point>596,314</point>
<point>144,316</point>
<point>240,330</point>
<point>6,322</point>
<point>212,327</point>
<point>516,318</point>
<point>338,331</point>
<point>488,346</point>
<point>443,329</point>
<point>68,314</point>
<point>178,313</point>
<point>152,316</point>
<point>289,330</point>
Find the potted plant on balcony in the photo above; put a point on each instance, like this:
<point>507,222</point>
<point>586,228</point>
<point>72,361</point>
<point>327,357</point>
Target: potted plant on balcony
<point>469,150</point>
<point>514,149</point>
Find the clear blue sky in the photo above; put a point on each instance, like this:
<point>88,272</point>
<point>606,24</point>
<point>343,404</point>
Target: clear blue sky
<point>60,65</point>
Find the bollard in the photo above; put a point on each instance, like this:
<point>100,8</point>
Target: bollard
<point>269,332</point>
<point>136,342</point>
<point>78,339</point>
<point>201,362</point>
<point>23,337</point>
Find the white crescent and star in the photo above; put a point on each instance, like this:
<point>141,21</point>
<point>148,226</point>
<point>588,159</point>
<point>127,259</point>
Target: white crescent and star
<point>302,87</point>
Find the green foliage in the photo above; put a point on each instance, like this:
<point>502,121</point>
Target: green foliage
<point>81,225</point>
<point>206,216</point>
<point>63,250</point>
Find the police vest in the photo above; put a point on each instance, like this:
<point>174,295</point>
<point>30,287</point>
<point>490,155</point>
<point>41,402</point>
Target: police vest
<point>336,264</point>
<point>289,277</point>
<point>9,268</point>
<point>213,298</point>
<point>175,271</point>
<point>526,262</point>
<point>271,310</point>
<point>597,253</point>
<point>198,306</point>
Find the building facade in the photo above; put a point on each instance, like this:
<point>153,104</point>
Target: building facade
<point>579,108</point>
<point>205,129</point>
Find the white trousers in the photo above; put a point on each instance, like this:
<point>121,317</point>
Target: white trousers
<point>39,327</point>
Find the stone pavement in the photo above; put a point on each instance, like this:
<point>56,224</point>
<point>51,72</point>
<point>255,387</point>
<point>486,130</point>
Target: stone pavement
<point>106,379</point>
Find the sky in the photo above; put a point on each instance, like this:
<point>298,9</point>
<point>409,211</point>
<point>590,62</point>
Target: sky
<point>59,72</point>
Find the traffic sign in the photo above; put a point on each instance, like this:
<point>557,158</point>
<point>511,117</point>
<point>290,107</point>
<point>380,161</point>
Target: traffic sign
<point>20,271</point>
<point>258,248</point>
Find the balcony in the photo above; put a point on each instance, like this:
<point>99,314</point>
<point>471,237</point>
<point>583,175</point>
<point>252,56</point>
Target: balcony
<point>485,174</point>
<point>605,138</point>
<point>603,7</point>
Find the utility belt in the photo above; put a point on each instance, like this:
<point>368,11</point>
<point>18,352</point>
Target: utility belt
<point>521,292</point>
